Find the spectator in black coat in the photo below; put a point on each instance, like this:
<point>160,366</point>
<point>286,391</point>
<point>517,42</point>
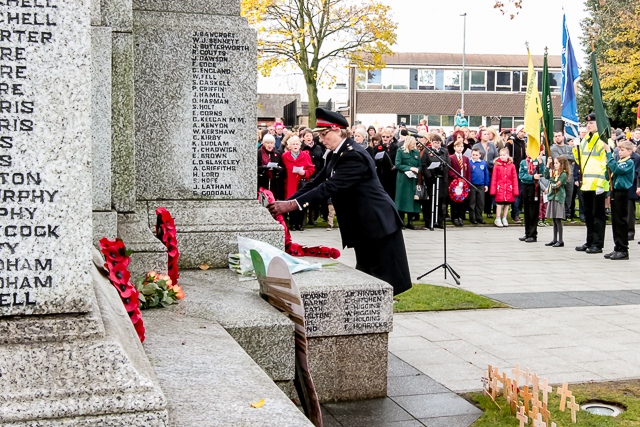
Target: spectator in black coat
<point>316,150</point>
<point>270,170</point>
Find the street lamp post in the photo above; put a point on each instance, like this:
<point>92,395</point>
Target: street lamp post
<point>464,43</point>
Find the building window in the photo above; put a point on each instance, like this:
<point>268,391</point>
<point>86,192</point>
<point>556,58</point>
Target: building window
<point>403,119</point>
<point>426,79</point>
<point>413,80</point>
<point>448,121</point>
<point>475,121</point>
<point>452,80</point>
<point>396,78</point>
<point>491,80</point>
<point>516,81</point>
<point>517,121</point>
<point>554,81</point>
<point>434,121</point>
<point>439,79</point>
<point>415,119</point>
<point>361,79</point>
<point>506,123</point>
<point>478,81</point>
<point>503,81</point>
<point>523,83</point>
<point>374,79</point>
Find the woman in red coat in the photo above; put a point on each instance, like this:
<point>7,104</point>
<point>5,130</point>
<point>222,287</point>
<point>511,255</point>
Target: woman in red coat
<point>301,162</point>
<point>504,186</point>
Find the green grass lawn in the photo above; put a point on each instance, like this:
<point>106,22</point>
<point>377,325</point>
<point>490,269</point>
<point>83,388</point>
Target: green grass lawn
<point>424,297</point>
<point>624,393</point>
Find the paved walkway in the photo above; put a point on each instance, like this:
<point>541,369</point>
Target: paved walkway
<point>576,317</point>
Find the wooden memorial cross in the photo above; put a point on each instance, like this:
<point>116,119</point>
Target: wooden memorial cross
<point>574,407</point>
<point>538,422</point>
<point>494,386</point>
<point>563,392</point>
<point>535,380</point>
<point>506,389</point>
<point>517,372</point>
<point>546,389</point>
<point>526,396</point>
<point>527,377</point>
<point>535,411</point>
<point>522,417</point>
<point>544,411</point>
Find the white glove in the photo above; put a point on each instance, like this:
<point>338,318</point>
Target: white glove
<point>599,191</point>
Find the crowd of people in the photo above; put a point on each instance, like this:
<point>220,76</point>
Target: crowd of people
<point>473,174</point>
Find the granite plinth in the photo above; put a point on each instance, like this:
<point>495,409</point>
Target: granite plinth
<point>214,7</point>
<point>195,105</point>
<point>105,224</point>
<point>96,17</point>
<point>123,165</point>
<point>46,163</point>
<point>207,377</point>
<point>94,375</point>
<point>208,230</point>
<point>349,367</point>
<point>101,117</point>
<point>344,301</point>
<point>117,14</point>
<point>262,331</point>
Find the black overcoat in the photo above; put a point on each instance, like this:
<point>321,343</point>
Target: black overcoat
<point>365,211</point>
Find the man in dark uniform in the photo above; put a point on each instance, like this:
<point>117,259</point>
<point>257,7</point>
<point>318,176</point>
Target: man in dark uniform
<point>369,221</point>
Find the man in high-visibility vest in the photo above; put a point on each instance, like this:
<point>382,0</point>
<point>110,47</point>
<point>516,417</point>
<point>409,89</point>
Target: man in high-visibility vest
<point>592,160</point>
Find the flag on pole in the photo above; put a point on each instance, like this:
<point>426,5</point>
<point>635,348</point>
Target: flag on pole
<point>570,74</point>
<point>532,111</point>
<point>547,106</point>
<point>604,127</point>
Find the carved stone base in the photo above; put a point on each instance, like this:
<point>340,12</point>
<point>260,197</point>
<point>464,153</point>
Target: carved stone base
<point>78,370</point>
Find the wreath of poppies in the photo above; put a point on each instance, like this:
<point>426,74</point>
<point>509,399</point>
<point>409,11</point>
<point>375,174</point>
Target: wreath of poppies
<point>265,197</point>
<point>117,264</point>
<point>166,233</point>
<point>457,193</point>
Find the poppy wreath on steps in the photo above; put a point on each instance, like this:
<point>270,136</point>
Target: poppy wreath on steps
<point>117,265</point>
<point>296,249</point>
<point>458,190</point>
<point>166,232</point>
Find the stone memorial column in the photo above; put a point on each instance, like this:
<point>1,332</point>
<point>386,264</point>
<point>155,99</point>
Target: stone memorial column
<point>67,347</point>
<point>195,118</point>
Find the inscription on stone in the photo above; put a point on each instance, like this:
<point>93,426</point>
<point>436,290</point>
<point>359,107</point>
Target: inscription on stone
<point>316,309</point>
<point>215,155</point>
<point>32,153</point>
<point>362,310</point>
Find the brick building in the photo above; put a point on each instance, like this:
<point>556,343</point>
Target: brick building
<point>427,85</point>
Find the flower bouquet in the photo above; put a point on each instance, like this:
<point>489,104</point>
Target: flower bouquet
<point>157,290</point>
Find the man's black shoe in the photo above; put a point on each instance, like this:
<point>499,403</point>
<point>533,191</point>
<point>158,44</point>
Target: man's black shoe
<point>559,245</point>
<point>619,255</point>
<point>594,250</point>
<point>531,240</point>
<point>551,243</point>
<point>473,221</point>
<point>489,215</point>
<point>631,236</point>
<point>607,256</point>
<point>481,221</point>
<point>438,226</point>
<point>582,248</point>
<point>523,238</point>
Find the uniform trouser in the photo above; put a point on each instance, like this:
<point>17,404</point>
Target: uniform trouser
<point>295,218</point>
<point>568,188</point>
<point>531,207</point>
<point>595,218</point>
<point>619,213</point>
<point>457,210</point>
<point>476,202</point>
<point>631,219</point>
<point>385,259</point>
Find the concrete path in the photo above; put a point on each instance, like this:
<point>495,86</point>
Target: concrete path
<point>576,319</point>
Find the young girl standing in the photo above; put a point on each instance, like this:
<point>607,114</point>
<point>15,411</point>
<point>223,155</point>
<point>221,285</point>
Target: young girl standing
<point>556,196</point>
<point>504,186</point>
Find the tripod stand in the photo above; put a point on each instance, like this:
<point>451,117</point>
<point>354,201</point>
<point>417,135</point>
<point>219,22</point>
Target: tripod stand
<point>437,211</point>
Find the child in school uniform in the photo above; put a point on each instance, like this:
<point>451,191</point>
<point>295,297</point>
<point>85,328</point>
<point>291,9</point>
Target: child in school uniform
<point>621,174</point>
<point>558,174</point>
<point>479,178</point>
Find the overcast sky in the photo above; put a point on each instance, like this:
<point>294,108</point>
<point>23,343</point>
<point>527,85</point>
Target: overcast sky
<point>436,26</point>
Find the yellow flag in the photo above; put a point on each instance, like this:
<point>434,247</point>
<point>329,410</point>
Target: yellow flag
<point>532,112</point>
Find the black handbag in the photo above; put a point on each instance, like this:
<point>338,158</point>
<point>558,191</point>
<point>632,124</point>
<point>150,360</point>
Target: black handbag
<point>421,193</point>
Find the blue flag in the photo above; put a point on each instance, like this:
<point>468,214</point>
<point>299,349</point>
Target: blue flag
<point>570,74</point>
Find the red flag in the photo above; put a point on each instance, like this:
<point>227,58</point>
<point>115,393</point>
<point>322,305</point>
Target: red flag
<point>638,121</point>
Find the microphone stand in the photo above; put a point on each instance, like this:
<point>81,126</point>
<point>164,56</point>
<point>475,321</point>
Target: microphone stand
<point>444,265</point>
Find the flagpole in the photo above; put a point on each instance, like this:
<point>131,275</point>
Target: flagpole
<point>544,125</point>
